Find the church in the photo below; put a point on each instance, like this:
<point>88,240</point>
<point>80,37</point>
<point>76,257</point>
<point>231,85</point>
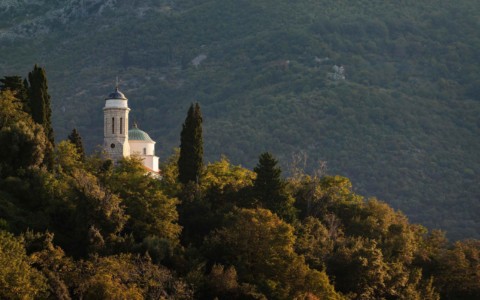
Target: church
<point>118,140</point>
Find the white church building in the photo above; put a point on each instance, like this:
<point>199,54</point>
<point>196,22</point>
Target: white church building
<point>119,140</point>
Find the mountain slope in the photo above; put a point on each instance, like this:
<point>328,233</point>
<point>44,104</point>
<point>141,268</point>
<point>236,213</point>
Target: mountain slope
<point>403,124</point>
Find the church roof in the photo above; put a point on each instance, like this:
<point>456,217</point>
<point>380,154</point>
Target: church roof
<point>136,134</point>
<point>116,95</point>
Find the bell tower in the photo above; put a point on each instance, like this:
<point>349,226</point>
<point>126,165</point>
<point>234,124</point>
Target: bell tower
<point>115,126</point>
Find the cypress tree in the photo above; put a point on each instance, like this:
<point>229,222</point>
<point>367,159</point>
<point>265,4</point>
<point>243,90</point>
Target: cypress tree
<point>39,102</point>
<point>76,139</point>
<point>190,162</point>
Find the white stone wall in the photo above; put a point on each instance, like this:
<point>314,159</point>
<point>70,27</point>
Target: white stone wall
<point>116,129</point>
<point>151,162</point>
<point>137,147</point>
<point>148,156</point>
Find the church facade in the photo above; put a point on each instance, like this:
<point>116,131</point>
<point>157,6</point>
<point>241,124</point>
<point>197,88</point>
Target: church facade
<point>118,140</point>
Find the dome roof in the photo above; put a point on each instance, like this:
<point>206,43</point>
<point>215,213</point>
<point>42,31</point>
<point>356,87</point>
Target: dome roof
<point>136,134</point>
<point>116,95</point>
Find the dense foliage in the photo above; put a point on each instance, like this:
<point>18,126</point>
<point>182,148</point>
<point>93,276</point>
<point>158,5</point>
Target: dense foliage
<point>87,228</point>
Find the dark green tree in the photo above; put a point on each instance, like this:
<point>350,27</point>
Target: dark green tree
<point>269,189</point>
<point>39,101</point>
<point>190,162</point>
<point>76,139</point>
<point>23,141</point>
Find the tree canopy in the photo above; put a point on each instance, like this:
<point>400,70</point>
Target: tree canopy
<point>93,229</point>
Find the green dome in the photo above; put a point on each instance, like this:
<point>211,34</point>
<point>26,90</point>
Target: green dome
<point>136,134</point>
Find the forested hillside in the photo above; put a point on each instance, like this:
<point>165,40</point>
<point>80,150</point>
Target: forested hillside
<point>85,227</point>
<point>386,92</point>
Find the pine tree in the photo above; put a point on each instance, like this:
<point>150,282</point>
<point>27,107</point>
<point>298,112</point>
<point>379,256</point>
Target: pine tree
<point>76,139</point>
<point>269,190</point>
<point>39,102</point>
<point>190,162</point>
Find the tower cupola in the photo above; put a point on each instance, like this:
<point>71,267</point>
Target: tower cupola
<point>116,95</point>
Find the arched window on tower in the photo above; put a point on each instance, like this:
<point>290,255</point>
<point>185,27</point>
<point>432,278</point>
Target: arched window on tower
<point>113,125</point>
<point>121,125</point>
<point>144,151</point>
